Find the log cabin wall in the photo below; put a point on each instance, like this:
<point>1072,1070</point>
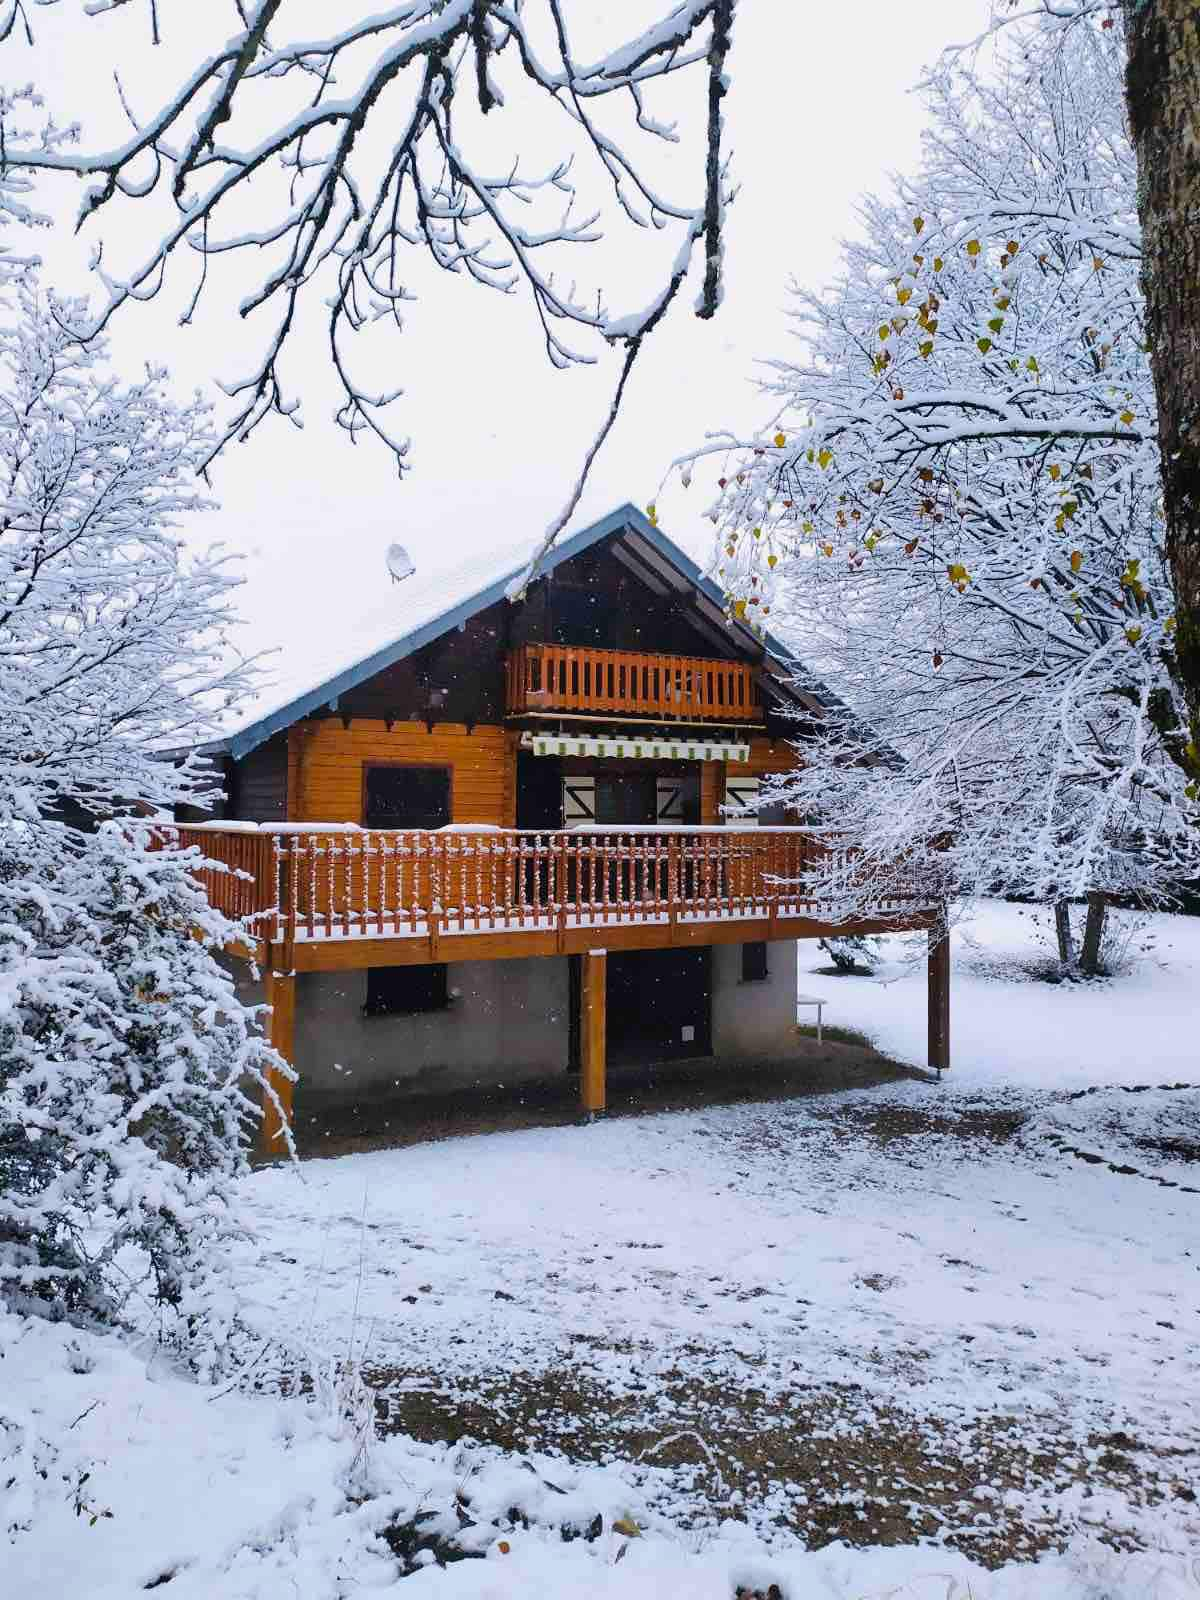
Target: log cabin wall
<point>331,761</point>
<point>769,755</point>
<point>258,784</point>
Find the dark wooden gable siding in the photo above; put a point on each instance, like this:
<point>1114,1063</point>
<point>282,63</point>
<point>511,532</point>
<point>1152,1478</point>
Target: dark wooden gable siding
<point>457,678</point>
<point>258,784</point>
<point>595,598</point>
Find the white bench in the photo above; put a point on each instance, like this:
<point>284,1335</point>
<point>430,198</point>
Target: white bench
<point>812,1000</point>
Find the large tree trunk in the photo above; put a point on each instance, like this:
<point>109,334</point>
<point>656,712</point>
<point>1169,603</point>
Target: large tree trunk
<point>1163,88</point>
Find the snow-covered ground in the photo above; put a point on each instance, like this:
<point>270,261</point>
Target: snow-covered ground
<point>1008,1031</point>
<point>928,1329</point>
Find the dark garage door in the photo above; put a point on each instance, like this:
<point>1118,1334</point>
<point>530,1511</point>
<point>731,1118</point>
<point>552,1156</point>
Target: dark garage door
<point>659,1005</point>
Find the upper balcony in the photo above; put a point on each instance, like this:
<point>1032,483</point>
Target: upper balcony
<point>572,679</point>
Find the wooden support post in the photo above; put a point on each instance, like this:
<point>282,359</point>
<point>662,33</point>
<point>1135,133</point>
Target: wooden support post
<point>939,995</point>
<point>593,980</point>
<point>281,997</point>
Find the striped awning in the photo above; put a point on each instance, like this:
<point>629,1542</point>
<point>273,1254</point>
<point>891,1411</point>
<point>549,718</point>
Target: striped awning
<point>628,747</point>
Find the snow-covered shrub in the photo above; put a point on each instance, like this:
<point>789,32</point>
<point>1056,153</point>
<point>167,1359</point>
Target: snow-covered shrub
<point>123,1049</point>
<point>853,952</point>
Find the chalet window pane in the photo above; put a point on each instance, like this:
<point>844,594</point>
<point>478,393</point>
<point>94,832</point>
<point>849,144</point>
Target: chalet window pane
<point>406,991</point>
<point>407,797</point>
<point>754,962</point>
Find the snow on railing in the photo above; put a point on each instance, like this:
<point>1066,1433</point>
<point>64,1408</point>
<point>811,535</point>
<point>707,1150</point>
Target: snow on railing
<point>327,881</point>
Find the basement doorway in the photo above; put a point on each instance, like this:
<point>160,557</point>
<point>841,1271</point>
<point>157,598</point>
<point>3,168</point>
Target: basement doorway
<point>659,1002</point>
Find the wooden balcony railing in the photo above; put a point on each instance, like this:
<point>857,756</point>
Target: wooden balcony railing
<point>552,677</point>
<point>335,884</point>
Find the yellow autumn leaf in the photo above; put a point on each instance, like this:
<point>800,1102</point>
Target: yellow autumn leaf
<point>1133,634</point>
<point>926,348</point>
<point>1076,560</point>
<point>1055,471</point>
<point>780,440</point>
<point>918,224</point>
<point>824,457</point>
<point>772,559</point>
<point>938,263</point>
<point>984,345</point>
<point>1032,365</point>
<point>828,549</point>
<point>903,296</point>
<point>1127,417</point>
<point>973,247</point>
<point>996,323</point>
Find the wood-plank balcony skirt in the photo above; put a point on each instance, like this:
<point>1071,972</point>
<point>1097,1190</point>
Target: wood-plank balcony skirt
<point>528,892</point>
<point>631,683</point>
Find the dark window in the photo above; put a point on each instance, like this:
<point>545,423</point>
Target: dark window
<point>626,798</point>
<point>754,962</point>
<point>407,797</point>
<point>404,991</point>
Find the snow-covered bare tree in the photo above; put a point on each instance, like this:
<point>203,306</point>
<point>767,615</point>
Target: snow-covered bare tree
<point>957,506</point>
<point>484,135</point>
<point>123,1050</point>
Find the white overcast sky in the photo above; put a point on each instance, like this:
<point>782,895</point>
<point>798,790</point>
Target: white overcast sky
<point>820,110</point>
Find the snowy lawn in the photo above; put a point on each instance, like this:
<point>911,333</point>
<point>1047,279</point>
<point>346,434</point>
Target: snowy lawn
<point>1007,1031</point>
<point>923,1330</point>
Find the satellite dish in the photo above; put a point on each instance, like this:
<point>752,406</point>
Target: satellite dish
<point>400,563</point>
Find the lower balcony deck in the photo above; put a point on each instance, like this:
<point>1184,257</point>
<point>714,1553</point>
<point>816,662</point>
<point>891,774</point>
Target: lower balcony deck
<point>323,898</point>
<point>318,898</point>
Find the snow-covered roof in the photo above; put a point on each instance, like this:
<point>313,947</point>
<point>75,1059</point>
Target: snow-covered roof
<point>411,614</point>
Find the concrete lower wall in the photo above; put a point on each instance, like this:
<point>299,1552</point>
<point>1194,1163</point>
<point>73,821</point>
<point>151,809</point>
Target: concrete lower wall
<point>508,1021</point>
<point>754,1019</point>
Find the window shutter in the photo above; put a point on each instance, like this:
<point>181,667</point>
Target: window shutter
<point>579,800</point>
<point>668,805</point>
<point>742,795</point>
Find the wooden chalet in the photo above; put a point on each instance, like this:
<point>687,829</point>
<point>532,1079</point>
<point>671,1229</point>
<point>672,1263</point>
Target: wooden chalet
<point>506,839</point>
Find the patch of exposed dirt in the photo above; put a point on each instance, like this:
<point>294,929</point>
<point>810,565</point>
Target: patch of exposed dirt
<point>1174,1149</point>
<point>811,1069</point>
<point>826,1464</point>
<point>887,1123</point>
